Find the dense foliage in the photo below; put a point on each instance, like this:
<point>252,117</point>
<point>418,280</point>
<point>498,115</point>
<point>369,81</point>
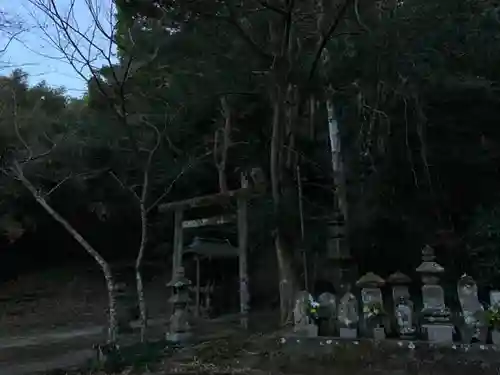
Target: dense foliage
<point>416,93</point>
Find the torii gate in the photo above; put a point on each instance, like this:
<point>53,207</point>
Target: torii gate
<point>241,195</point>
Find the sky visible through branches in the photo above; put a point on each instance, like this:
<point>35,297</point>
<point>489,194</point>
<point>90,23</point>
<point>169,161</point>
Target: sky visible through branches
<point>34,49</point>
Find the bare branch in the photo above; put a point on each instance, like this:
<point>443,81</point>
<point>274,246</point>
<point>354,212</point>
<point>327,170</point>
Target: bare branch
<point>234,21</point>
<point>358,17</point>
<point>286,43</point>
<point>123,186</point>
<point>326,37</point>
<point>16,127</point>
<point>184,170</point>
<point>10,40</point>
<point>265,4</point>
<point>58,185</point>
<point>64,27</point>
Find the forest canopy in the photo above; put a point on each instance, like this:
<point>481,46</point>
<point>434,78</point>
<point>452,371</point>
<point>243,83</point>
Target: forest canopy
<point>201,91</point>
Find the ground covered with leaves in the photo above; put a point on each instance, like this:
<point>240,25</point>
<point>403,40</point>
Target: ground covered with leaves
<point>263,354</point>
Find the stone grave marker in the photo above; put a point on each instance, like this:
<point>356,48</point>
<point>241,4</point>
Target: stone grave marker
<point>327,313</point>
<point>348,316</point>
<point>371,302</point>
<point>433,298</point>
<point>399,282</point>
<point>403,312</point>
<point>474,319</point>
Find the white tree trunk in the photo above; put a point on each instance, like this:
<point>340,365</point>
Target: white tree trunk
<point>242,254</point>
<point>106,270</point>
<point>138,273</point>
<point>337,162</point>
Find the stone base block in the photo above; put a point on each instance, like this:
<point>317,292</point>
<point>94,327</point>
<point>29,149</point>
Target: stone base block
<point>495,337</point>
<point>348,333</point>
<point>379,334</point>
<point>307,330</point>
<point>439,333</point>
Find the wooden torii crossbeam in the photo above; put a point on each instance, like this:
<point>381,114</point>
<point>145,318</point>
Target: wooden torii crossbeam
<point>208,200</point>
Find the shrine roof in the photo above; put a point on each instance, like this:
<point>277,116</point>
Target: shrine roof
<point>211,248</point>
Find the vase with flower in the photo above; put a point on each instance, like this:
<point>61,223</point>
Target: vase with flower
<point>374,314</point>
<point>493,320</point>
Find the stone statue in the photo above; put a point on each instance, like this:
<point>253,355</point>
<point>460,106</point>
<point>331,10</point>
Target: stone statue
<point>302,322</point>
<point>300,315</point>
<point>474,319</point>
<point>404,317</point>
<point>348,311</point>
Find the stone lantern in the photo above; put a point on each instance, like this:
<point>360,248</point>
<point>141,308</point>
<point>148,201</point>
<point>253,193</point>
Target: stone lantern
<point>436,322</point>
<point>179,327</point>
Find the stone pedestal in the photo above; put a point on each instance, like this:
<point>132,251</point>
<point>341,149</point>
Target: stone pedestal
<point>307,330</point>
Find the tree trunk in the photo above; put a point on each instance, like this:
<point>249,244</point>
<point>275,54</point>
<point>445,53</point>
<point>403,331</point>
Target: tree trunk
<point>242,253</point>
<point>287,282</point>
<point>142,246</point>
<point>324,8</point>
<point>138,274</point>
<point>221,145</point>
<point>106,270</point>
<point>312,117</point>
<point>337,162</point>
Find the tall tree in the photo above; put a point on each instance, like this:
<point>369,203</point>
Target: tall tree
<point>274,42</point>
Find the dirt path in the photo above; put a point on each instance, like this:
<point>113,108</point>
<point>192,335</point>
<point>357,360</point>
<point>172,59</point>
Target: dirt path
<point>63,299</point>
<point>72,359</point>
<point>25,355</point>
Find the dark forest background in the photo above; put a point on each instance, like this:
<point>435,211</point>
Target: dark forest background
<point>416,93</point>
